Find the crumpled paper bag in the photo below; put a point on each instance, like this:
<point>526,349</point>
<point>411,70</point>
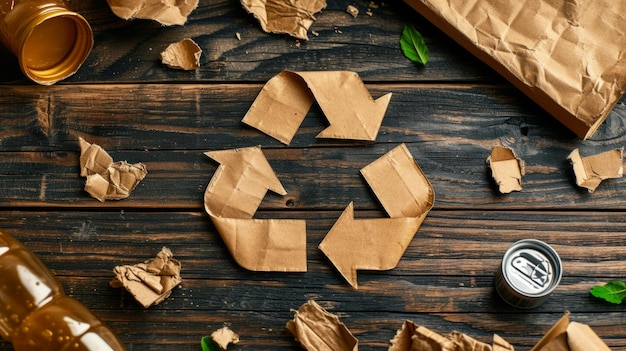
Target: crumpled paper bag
<point>152,281</point>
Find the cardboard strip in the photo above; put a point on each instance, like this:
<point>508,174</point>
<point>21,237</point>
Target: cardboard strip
<point>568,56</point>
<point>286,98</point>
<point>407,197</point>
<point>231,199</point>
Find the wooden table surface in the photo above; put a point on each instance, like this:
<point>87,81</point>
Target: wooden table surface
<point>449,113</point>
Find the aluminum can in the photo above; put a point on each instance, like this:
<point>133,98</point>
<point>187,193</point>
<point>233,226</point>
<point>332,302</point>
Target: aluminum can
<point>529,272</point>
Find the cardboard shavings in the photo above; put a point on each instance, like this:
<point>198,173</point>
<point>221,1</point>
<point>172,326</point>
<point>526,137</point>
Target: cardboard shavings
<point>166,12</point>
<point>184,54</point>
<point>285,16</point>
<point>566,55</point>
<point>318,330</point>
<point>570,336</point>
<point>590,171</point>
<point>152,281</point>
<point>506,169</point>
<point>413,337</point>
<point>379,243</point>
<point>224,336</point>
<point>231,199</point>
<point>286,98</point>
<point>108,180</point>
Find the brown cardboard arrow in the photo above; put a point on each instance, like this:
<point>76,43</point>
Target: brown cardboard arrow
<point>231,199</point>
<point>284,101</point>
<point>378,244</point>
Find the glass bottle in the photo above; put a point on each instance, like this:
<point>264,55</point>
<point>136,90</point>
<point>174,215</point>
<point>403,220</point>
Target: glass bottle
<point>50,41</point>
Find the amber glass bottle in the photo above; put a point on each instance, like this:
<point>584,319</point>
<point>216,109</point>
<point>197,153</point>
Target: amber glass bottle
<point>50,41</point>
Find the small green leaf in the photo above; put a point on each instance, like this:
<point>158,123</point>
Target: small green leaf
<point>413,45</point>
<point>613,291</point>
<point>208,344</point>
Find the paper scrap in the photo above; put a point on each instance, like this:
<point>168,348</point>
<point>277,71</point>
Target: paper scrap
<point>413,337</point>
<point>166,12</point>
<point>590,171</point>
<point>231,199</point>
<point>152,281</point>
<point>379,243</point>
<point>219,339</point>
<point>568,56</point>
<point>286,98</point>
<point>107,180</point>
<point>285,16</point>
<point>351,9</point>
<point>570,336</point>
<point>318,330</point>
<point>506,169</point>
<point>184,54</point>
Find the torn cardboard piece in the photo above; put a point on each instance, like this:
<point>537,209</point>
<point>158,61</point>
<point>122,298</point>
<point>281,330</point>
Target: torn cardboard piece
<point>506,169</point>
<point>570,336</point>
<point>223,337</point>
<point>285,16</point>
<point>286,98</point>
<point>108,180</point>
<point>413,337</point>
<point>152,281</point>
<point>231,199</point>
<point>318,330</point>
<point>184,54</point>
<point>590,171</point>
<point>407,197</point>
<point>166,12</point>
<point>568,56</point>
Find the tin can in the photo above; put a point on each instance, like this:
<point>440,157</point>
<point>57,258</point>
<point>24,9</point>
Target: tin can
<point>529,272</point>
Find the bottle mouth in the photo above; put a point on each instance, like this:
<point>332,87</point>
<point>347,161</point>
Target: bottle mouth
<point>55,46</point>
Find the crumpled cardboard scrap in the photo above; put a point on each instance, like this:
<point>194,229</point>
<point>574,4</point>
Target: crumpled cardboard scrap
<point>286,98</point>
<point>413,337</point>
<point>184,54</point>
<point>107,180</point>
<point>231,199</point>
<point>285,16</point>
<point>220,338</point>
<point>166,12</point>
<point>379,243</point>
<point>318,330</point>
<point>570,336</point>
<point>592,170</point>
<point>566,55</point>
<point>506,169</point>
<point>152,281</point>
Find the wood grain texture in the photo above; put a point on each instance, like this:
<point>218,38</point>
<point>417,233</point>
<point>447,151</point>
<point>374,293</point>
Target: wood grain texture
<point>450,114</point>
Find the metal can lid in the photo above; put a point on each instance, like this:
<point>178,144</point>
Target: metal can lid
<point>531,267</point>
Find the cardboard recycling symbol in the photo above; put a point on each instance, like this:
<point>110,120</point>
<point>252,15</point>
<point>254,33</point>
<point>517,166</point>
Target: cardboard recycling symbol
<point>244,176</point>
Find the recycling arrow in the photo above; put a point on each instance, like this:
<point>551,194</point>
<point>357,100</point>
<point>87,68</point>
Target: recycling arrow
<point>379,243</point>
<point>286,98</point>
<point>231,199</point>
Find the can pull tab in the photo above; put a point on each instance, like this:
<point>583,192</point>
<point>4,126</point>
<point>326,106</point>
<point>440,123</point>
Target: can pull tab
<point>536,270</point>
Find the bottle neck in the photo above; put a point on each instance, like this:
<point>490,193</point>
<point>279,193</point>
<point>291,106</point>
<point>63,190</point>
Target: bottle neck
<point>50,41</point>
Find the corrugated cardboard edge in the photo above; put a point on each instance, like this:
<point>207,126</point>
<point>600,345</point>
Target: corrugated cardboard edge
<point>577,126</point>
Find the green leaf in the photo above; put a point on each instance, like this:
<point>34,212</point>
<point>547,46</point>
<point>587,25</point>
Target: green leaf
<point>413,45</point>
<point>208,344</point>
<point>613,291</point>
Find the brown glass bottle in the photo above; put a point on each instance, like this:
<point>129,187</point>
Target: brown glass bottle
<point>50,41</point>
<point>35,312</point>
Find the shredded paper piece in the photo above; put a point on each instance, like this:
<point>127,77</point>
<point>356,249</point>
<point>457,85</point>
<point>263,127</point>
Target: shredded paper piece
<point>318,330</point>
<point>224,336</point>
<point>379,243</point>
<point>590,171</point>
<point>569,56</point>
<point>285,16</point>
<point>506,169</point>
<point>166,12</point>
<point>231,199</point>
<point>107,180</point>
<point>286,98</point>
<point>184,54</point>
<point>152,281</point>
